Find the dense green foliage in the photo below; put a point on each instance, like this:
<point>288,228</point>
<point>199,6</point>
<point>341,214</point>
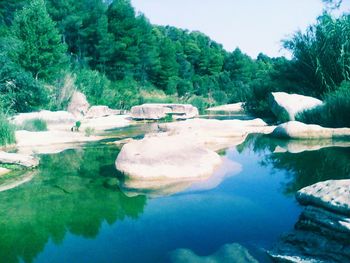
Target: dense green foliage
<point>118,58</point>
<point>34,125</point>
<point>7,131</point>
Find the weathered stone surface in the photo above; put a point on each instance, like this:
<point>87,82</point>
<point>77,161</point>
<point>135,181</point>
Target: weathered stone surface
<point>286,106</point>
<point>333,195</point>
<point>78,105</point>
<point>299,130</point>
<point>166,157</point>
<point>101,111</point>
<point>19,159</point>
<point>228,253</point>
<point>323,231</point>
<point>228,108</point>
<point>160,111</point>
<point>217,134</point>
<point>50,117</point>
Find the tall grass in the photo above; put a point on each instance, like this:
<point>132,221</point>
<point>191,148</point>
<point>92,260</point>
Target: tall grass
<point>334,113</point>
<point>7,131</point>
<point>34,125</point>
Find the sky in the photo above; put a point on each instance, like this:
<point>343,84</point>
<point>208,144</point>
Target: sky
<point>252,25</point>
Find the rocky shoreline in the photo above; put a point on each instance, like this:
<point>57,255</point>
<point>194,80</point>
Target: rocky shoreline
<point>322,233</point>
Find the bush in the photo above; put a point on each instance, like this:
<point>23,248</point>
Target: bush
<point>89,131</point>
<point>34,125</point>
<point>335,111</point>
<point>200,102</point>
<point>7,131</point>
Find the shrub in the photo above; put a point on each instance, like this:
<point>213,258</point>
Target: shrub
<point>34,125</point>
<point>335,111</point>
<point>7,131</point>
<point>89,131</point>
<point>200,102</point>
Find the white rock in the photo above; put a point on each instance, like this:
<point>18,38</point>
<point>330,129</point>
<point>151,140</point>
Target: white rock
<point>299,130</point>
<point>78,105</point>
<point>166,157</point>
<point>100,111</point>
<point>50,117</point>
<point>160,111</point>
<point>229,108</point>
<point>106,123</point>
<point>217,134</point>
<point>333,195</point>
<point>19,159</point>
<point>286,106</point>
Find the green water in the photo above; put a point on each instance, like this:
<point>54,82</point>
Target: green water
<point>74,211</point>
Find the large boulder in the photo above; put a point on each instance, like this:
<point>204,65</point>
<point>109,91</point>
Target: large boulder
<point>101,111</point>
<point>163,157</point>
<point>50,117</point>
<point>286,106</point>
<point>78,105</point>
<point>160,111</point>
<point>18,159</point>
<point>299,130</point>
<point>322,233</point>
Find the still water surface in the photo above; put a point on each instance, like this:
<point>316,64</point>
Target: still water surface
<point>74,211</point>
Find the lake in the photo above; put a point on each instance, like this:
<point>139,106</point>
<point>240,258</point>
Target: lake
<point>76,209</point>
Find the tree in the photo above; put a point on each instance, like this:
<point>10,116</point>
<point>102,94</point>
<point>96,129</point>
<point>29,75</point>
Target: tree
<point>42,52</point>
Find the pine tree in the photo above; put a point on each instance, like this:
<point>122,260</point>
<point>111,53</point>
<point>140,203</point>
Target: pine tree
<point>42,52</point>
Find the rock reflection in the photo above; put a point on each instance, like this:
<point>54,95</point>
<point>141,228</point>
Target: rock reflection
<point>157,188</point>
<point>75,191</point>
<point>329,159</point>
<point>226,254</point>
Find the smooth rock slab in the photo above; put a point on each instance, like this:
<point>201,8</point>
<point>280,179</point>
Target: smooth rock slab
<point>286,106</point>
<point>333,195</point>
<point>101,111</point>
<point>19,159</point>
<point>299,130</point>
<point>50,117</point>
<point>160,111</point>
<point>229,108</point>
<point>166,157</point>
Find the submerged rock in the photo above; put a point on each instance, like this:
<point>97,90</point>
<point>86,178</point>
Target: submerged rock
<point>19,159</point>
<point>286,106</point>
<point>160,111</point>
<point>4,171</point>
<point>299,130</point>
<point>322,233</point>
<point>16,181</point>
<point>78,105</point>
<point>226,254</point>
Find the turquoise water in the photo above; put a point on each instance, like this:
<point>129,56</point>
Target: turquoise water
<point>74,211</point>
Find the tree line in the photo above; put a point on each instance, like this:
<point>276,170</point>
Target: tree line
<point>118,58</point>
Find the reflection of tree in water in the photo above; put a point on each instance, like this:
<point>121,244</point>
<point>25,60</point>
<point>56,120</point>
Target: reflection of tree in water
<point>75,191</point>
<point>304,168</point>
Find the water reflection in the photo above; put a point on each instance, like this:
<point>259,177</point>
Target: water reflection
<point>303,166</point>
<point>75,191</point>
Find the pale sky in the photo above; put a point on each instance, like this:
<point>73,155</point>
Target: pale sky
<point>252,25</point>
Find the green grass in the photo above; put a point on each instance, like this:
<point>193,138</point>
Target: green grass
<point>34,125</point>
<point>7,131</point>
<point>335,111</point>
